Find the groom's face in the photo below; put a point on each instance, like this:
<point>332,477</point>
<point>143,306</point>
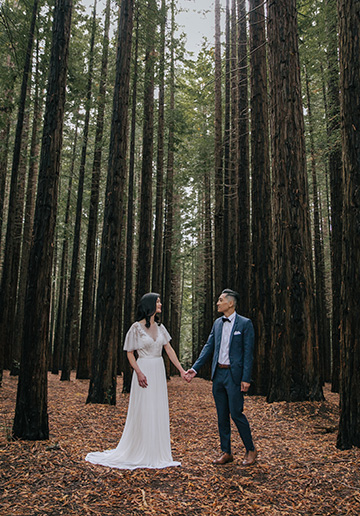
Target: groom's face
<point>224,303</point>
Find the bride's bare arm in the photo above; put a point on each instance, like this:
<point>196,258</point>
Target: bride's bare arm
<point>174,359</point>
<point>140,375</point>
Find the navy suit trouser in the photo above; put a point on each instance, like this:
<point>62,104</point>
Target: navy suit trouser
<point>229,400</point>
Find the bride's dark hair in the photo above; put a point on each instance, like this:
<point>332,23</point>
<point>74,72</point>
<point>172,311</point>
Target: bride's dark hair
<point>147,307</point>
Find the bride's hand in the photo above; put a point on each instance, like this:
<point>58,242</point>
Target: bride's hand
<point>142,379</point>
<point>183,374</point>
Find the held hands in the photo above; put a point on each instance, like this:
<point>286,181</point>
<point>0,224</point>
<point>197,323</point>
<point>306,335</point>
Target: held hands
<point>189,375</point>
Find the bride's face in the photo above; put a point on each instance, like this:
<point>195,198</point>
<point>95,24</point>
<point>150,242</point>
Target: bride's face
<point>158,306</point>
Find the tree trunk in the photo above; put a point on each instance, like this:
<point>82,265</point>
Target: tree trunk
<point>9,280</point>
<point>102,387</point>
<point>320,298</point>
<point>349,33</point>
<point>71,313</point>
<point>129,274</point>
<point>87,314</point>
<point>169,188</point>
<point>6,109</point>
<point>145,240</point>
<point>159,209</point>
<point>61,306</point>
<point>31,418</point>
<point>295,372</point>
<point>242,280</point>
<point>29,217</point>
<point>336,187</point>
<point>233,230</point>
<point>12,352</point>
<point>219,179</point>
<point>225,266</point>
<point>175,297</point>
<point>261,265</point>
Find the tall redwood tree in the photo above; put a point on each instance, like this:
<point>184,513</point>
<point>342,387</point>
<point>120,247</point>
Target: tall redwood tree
<point>349,24</point>
<point>102,387</point>
<point>31,418</point>
<point>294,359</point>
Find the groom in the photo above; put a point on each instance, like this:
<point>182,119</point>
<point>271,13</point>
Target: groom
<point>230,344</point>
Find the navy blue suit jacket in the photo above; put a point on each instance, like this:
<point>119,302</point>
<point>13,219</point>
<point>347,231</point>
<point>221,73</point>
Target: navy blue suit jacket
<point>241,349</point>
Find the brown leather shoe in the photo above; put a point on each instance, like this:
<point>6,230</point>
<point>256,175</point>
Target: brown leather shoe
<point>250,457</point>
<point>224,459</point>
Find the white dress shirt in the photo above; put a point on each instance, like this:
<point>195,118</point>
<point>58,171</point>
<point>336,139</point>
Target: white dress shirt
<point>225,340</point>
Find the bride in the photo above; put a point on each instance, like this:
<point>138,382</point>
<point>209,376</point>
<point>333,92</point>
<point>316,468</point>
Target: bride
<point>145,442</point>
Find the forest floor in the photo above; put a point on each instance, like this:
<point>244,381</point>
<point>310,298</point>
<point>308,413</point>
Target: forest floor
<point>299,470</point>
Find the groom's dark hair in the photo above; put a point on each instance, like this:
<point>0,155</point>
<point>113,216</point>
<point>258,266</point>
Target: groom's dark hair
<point>233,294</point>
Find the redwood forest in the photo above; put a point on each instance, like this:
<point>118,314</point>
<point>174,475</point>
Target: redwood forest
<point>134,161</point>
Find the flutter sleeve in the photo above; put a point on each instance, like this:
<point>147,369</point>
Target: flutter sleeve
<point>166,334</point>
<point>133,339</point>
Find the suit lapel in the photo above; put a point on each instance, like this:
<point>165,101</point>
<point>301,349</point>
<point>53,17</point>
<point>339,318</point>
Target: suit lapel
<point>218,335</point>
<point>234,328</point>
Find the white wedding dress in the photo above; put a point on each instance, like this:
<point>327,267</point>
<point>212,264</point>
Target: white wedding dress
<point>145,442</point>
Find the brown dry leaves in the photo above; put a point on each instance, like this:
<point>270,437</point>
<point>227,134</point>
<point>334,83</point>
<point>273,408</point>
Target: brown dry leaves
<point>299,470</point>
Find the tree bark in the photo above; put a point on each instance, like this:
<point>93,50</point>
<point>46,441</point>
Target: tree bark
<point>145,234</point>
<point>28,217</point>
<point>31,418</point>
<point>242,281</point>
<point>169,187</point>
<point>262,244</point>
<point>219,179</point>
<point>9,280</point>
<point>336,187</point>
<point>294,366</point>
<point>159,208</point>
<point>320,297</point>
<point>225,266</point>
<point>61,305</point>
<point>233,223</point>
<point>71,313</point>
<point>129,267</point>
<point>87,314</point>
<point>102,387</point>
<point>349,34</point>
<point>6,110</point>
